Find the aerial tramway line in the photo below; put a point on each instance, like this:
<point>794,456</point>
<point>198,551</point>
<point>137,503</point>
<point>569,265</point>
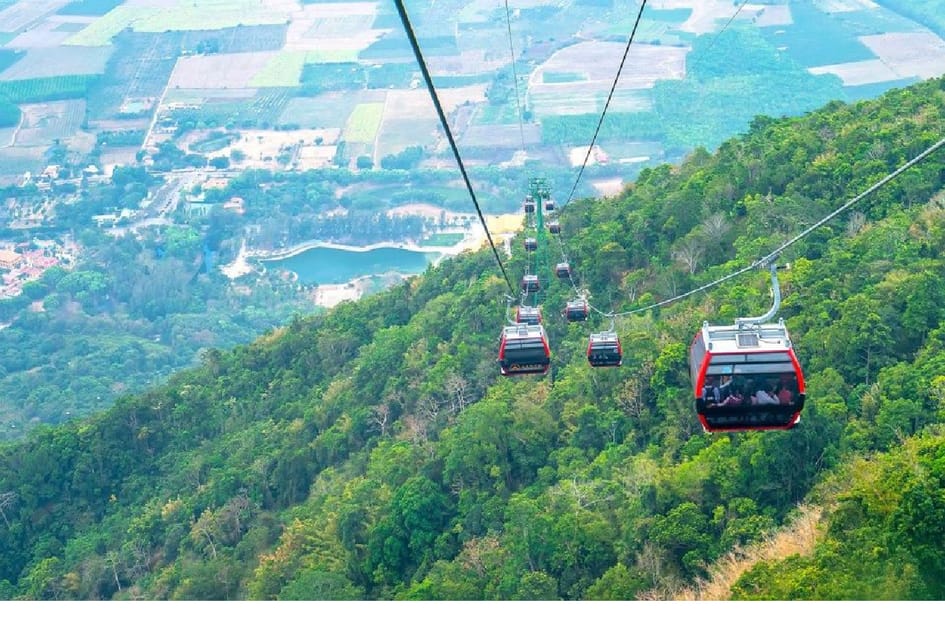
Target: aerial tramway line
<point>745,376</point>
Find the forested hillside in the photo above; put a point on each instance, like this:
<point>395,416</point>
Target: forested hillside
<point>374,452</point>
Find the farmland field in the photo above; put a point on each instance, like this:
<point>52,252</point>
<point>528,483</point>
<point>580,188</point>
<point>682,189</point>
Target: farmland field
<point>19,15</point>
<point>816,39</point>
<point>330,110</point>
<point>45,89</point>
<point>15,161</point>
<point>396,134</point>
<point>364,122</point>
<point>59,61</point>
<point>89,7</point>
<point>910,54</point>
<point>262,107</point>
<point>224,71</point>
<point>282,70</point>
<point>139,69</point>
<point>192,15</point>
<point>44,123</point>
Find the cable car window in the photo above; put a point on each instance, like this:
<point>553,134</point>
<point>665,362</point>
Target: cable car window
<point>751,392</point>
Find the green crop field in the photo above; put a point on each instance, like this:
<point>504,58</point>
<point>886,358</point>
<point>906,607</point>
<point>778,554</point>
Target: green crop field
<point>45,89</point>
<point>193,15</point>
<point>283,70</point>
<point>364,122</point>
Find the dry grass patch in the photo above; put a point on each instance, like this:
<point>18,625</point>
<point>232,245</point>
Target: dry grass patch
<point>798,538</point>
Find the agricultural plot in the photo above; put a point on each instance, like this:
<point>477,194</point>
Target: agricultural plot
<point>815,39</point>
<point>773,15</point>
<point>598,62</point>
<point>225,71</point>
<point>238,39</point>
<point>327,110</point>
<point>24,13</point>
<point>363,123</point>
<point>183,15</point>
<point>138,71</point>
<point>859,73</point>
<point>256,106</point>
<point>45,89</point>
<point>707,16</point>
<point>910,54</point>
<point>15,161</point>
<point>89,7</point>
<point>52,32</point>
<point>284,69</point>
<point>500,135</point>
<point>42,124</point>
<point>842,6</point>
<point>59,61</point>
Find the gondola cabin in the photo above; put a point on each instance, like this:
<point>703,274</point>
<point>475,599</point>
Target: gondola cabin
<point>554,227</point>
<point>529,205</point>
<point>563,270</point>
<point>531,244</point>
<point>523,349</point>
<point>746,377</point>
<point>528,315</point>
<point>577,310</point>
<point>549,205</point>
<point>530,283</point>
<point>603,350</point>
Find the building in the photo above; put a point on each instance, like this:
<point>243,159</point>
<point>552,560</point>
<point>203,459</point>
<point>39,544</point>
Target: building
<point>9,259</point>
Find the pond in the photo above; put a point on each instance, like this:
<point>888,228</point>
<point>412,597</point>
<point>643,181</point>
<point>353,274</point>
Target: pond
<point>331,265</point>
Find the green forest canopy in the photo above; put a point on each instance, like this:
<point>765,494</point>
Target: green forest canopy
<point>375,453</point>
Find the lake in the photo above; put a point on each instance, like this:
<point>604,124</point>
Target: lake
<point>329,265</point>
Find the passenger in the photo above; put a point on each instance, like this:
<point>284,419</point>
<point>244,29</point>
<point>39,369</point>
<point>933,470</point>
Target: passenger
<point>786,395</point>
<point>710,392</point>
<point>726,388</point>
<point>734,398</point>
<point>766,396</point>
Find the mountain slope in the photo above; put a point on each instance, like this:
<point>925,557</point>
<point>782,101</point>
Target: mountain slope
<point>375,452</point>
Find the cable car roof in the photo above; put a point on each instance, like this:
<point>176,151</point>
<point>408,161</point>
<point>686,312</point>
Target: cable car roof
<point>745,338</point>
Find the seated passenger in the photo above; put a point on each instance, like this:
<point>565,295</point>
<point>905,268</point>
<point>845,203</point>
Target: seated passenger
<point>734,399</point>
<point>710,392</point>
<point>766,396</point>
<point>785,395</point>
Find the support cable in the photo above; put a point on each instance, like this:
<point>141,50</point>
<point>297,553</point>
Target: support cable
<point>518,104</point>
<point>607,103</point>
<point>766,260</point>
<point>405,20</point>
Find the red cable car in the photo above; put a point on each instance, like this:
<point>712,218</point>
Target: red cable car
<point>576,310</point>
<point>523,349</point>
<point>531,244</point>
<point>746,377</point>
<point>554,227</point>
<point>530,283</point>
<point>528,315</point>
<point>563,270</point>
<point>603,350</point>
<point>549,205</point>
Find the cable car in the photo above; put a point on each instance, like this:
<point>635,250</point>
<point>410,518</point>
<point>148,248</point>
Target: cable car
<point>563,270</point>
<point>603,350</point>
<point>549,205</point>
<point>577,310</point>
<point>529,205</point>
<point>523,349</point>
<point>554,227</point>
<point>531,244</point>
<point>746,377</point>
<point>528,315</point>
<point>530,283</point>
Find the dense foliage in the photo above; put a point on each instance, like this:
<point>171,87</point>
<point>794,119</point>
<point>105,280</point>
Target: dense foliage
<point>375,453</point>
